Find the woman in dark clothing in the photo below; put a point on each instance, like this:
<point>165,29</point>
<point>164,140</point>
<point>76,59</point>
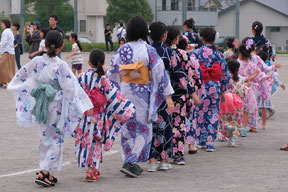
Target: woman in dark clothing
<point>17,44</point>
<point>33,39</point>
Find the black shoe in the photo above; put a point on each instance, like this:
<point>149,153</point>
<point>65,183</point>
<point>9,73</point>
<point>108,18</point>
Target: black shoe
<point>140,169</point>
<point>192,152</point>
<point>131,170</point>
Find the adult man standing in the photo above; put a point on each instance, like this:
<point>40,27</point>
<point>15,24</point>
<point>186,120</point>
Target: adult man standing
<point>108,37</point>
<point>53,20</point>
<point>121,32</point>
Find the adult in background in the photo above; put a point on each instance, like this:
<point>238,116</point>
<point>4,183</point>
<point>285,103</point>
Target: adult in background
<point>33,39</point>
<point>121,32</point>
<point>7,61</point>
<point>108,37</point>
<point>53,20</point>
<point>17,44</point>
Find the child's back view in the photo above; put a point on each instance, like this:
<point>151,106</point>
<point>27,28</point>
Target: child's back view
<point>101,124</point>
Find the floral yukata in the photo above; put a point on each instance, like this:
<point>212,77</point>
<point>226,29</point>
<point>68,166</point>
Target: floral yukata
<point>147,97</point>
<point>192,69</point>
<point>102,127</point>
<point>215,79</point>
<point>262,102</point>
<point>192,39</point>
<point>64,110</point>
<point>184,87</point>
<point>234,119</point>
<point>261,85</point>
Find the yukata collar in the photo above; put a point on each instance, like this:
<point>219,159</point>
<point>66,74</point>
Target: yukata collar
<point>158,43</point>
<point>92,70</point>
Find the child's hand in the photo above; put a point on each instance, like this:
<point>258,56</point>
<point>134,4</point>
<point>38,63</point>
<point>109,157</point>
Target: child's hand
<point>197,101</point>
<point>277,65</point>
<point>170,104</point>
<point>31,55</point>
<point>222,97</point>
<point>67,57</point>
<point>248,84</point>
<point>256,72</point>
<point>283,86</point>
<point>89,112</point>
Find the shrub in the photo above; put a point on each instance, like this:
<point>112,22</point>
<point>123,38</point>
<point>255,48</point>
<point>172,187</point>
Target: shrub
<point>87,47</point>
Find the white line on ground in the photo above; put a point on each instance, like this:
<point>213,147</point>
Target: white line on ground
<point>111,152</point>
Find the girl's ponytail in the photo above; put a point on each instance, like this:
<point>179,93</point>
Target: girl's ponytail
<point>79,45</point>
<point>233,66</point>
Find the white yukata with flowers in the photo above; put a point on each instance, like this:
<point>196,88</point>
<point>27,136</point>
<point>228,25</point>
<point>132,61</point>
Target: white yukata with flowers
<point>137,135</point>
<point>64,111</point>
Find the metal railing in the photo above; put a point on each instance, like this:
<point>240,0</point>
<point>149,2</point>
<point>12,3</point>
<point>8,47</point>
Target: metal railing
<point>189,8</point>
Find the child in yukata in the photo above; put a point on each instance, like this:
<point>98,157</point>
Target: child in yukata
<point>101,124</point>
<point>47,88</point>
<point>139,72</point>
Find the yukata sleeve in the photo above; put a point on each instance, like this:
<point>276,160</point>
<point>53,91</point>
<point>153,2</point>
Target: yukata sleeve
<point>225,79</point>
<point>263,66</point>
<point>75,101</point>
<point>160,85</point>
<point>179,76</point>
<point>117,111</point>
<point>20,86</point>
<point>113,73</point>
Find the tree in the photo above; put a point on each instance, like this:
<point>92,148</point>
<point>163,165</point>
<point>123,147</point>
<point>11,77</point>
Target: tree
<point>122,10</point>
<point>42,9</point>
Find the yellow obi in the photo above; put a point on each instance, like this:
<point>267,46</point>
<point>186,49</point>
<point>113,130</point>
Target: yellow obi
<point>135,73</point>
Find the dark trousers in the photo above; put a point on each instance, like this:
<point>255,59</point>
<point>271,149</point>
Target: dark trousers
<point>111,44</point>
<point>17,58</point>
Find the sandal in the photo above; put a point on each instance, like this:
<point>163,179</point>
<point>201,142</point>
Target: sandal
<point>42,181</point>
<point>92,176</point>
<point>284,148</point>
<point>54,180</point>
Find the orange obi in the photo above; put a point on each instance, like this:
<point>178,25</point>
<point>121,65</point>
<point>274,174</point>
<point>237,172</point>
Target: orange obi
<point>213,73</point>
<point>135,73</point>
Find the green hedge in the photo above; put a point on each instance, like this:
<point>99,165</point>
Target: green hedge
<point>87,47</point>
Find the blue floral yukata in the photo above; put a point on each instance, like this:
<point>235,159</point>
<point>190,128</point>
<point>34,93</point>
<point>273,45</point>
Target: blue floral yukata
<point>102,127</point>
<point>65,109</point>
<point>136,137</point>
<point>215,78</point>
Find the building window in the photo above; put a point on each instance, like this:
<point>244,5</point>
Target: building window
<point>174,5</point>
<point>191,5</point>
<point>275,29</point>
<point>83,26</point>
<point>164,5</point>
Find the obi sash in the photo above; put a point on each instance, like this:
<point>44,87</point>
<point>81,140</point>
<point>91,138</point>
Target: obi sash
<point>98,100</point>
<point>232,102</point>
<point>213,73</point>
<point>43,94</point>
<point>135,73</point>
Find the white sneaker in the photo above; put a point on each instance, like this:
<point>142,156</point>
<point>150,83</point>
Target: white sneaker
<point>152,167</point>
<point>231,142</point>
<point>165,166</point>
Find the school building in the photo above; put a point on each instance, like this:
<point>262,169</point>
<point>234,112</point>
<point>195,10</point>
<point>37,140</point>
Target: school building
<point>273,15</point>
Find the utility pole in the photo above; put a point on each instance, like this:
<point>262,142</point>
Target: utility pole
<point>156,9</point>
<point>237,18</point>
<point>184,10</point>
<point>22,22</point>
<point>75,16</point>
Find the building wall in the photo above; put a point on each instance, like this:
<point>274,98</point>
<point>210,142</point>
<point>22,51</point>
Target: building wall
<point>93,12</point>
<point>250,12</point>
<point>278,39</point>
<point>5,7</point>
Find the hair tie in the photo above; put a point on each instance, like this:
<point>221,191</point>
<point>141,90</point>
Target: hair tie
<point>52,46</point>
<point>256,26</point>
<point>249,43</point>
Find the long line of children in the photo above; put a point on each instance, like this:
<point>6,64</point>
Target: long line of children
<point>159,97</point>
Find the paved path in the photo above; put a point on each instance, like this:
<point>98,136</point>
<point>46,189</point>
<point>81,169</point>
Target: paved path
<point>255,165</point>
